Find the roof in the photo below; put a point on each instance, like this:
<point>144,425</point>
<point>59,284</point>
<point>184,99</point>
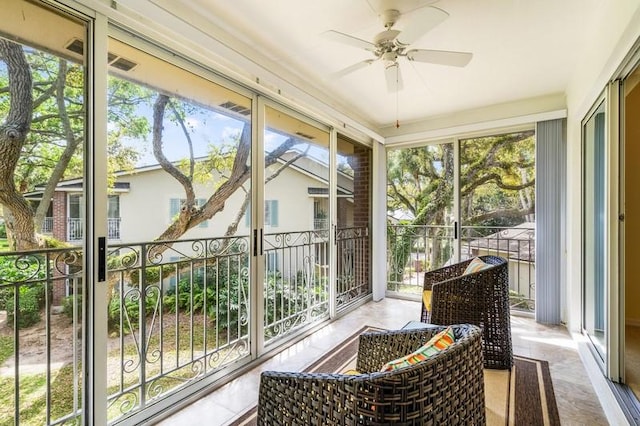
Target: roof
<point>518,241</point>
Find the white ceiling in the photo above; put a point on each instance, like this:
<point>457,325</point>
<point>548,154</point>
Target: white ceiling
<point>521,49</point>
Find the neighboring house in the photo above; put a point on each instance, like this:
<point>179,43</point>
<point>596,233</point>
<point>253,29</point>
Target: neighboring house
<point>143,202</point>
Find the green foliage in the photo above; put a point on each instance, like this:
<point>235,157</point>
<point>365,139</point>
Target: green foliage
<point>219,297</point>
<point>28,310</point>
<point>3,230</point>
<point>131,315</point>
<point>497,174</point>
<point>67,306</point>
<point>15,271</point>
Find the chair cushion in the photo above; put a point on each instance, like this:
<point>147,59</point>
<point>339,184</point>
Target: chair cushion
<point>435,345</point>
<point>426,299</point>
<point>476,265</point>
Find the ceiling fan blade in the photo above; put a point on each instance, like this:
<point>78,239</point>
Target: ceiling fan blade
<point>352,68</point>
<point>419,22</point>
<point>394,77</point>
<point>442,57</point>
<point>349,40</point>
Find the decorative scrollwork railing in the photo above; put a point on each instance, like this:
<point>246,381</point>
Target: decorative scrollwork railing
<point>353,269</point>
<point>180,311</point>
<point>296,290</point>
<point>413,249</point>
<point>31,284</point>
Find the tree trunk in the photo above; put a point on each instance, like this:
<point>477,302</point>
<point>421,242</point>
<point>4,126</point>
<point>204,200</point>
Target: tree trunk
<point>13,134</point>
<point>72,144</point>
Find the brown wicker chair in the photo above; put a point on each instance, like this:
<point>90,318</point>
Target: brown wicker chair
<point>481,298</point>
<point>447,389</point>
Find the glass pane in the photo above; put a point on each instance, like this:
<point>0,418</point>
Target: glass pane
<point>296,188</point>
<point>354,216</point>
<point>594,228</point>
<point>42,114</point>
<point>421,216</point>
<point>179,162</point>
<point>497,207</point>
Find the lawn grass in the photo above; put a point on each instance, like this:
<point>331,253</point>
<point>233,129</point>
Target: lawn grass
<point>182,341</point>
<point>4,244</point>
<point>33,397</point>
<point>6,348</point>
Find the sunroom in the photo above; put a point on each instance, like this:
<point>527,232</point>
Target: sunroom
<point>192,189</point>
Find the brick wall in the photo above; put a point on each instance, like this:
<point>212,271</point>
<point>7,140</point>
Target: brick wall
<point>361,165</point>
<point>59,206</point>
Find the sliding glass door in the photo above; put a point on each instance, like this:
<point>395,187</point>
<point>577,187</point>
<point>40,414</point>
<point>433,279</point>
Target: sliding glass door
<point>594,231</point>
<point>180,184</point>
<point>44,151</point>
<point>421,235</point>
<point>451,201</point>
<point>631,225</point>
<point>497,206</point>
<point>296,225</point>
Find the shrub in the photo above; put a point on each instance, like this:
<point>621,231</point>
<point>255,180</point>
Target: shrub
<point>67,306</point>
<point>132,308</point>
<point>28,312</point>
<point>17,270</point>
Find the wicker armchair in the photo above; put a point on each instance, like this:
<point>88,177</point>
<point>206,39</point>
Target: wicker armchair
<point>446,389</point>
<point>481,298</point>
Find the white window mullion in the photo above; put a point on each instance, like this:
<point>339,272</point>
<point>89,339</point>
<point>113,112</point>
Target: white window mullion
<point>95,399</point>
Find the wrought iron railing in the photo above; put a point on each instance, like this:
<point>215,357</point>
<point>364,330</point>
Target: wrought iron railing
<point>414,249</point>
<point>47,225</point>
<point>41,371</point>
<point>178,312</point>
<point>113,228</point>
<point>296,281</point>
<point>353,269</point>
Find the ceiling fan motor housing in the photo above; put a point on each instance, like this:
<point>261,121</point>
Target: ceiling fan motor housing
<point>389,58</point>
<point>389,17</point>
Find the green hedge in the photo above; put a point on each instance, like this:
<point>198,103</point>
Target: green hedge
<point>28,312</point>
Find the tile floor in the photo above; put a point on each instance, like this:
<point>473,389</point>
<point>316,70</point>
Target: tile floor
<point>577,401</point>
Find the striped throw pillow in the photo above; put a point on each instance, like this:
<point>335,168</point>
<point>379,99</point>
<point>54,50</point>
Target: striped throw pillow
<point>476,265</point>
<point>435,345</point>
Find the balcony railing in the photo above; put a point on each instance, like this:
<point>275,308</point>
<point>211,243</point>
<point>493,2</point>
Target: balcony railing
<point>353,269</point>
<point>178,314</point>
<point>47,225</point>
<point>41,369</point>
<point>413,249</point>
<point>75,228</point>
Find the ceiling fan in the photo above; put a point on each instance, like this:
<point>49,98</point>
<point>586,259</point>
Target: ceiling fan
<point>390,44</point>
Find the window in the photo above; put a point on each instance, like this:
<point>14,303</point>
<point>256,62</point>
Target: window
<point>113,207</point>
<point>176,203</point>
<point>270,214</point>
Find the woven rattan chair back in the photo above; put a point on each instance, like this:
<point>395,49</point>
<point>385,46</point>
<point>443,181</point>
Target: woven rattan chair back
<point>447,389</point>
<point>480,298</point>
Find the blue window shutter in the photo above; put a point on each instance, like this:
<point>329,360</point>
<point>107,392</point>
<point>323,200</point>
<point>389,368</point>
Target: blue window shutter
<point>200,202</point>
<point>247,216</point>
<point>174,207</point>
<point>274,212</point>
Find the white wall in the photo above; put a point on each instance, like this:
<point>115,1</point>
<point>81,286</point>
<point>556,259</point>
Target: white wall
<point>145,208</point>
<point>619,29</point>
